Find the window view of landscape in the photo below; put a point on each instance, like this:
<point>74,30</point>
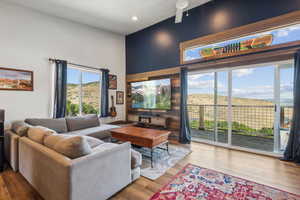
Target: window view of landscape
<point>83,92</point>
<point>253,106</point>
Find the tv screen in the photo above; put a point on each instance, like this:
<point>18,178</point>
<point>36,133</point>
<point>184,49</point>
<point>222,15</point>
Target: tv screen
<point>154,94</point>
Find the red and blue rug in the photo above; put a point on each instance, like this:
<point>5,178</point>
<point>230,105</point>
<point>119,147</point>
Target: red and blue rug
<point>197,183</point>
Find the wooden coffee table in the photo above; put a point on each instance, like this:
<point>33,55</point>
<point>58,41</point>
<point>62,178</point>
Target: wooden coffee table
<point>143,137</point>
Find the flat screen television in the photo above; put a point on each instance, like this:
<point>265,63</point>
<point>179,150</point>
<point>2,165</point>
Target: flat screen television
<point>153,94</point>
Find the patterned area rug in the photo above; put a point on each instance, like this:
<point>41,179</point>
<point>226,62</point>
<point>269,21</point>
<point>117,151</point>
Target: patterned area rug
<point>162,161</point>
<point>196,183</point>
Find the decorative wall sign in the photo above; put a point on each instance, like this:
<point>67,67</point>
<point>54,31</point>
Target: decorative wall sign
<point>119,97</point>
<point>112,82</point>
<point>238,47</point>
<point>16,79</point>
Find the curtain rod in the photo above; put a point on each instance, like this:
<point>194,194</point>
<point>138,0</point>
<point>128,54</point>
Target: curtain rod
<point>84,66</point>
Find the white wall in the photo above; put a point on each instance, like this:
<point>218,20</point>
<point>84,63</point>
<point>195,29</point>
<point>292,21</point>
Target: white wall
<point>28,38</point>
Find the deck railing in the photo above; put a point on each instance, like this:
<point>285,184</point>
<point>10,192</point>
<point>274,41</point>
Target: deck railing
<point>256,120</point>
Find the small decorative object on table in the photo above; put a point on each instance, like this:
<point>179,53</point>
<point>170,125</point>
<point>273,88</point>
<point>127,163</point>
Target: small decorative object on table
<point>16,79</point>
<point>119,97</point>
<point>112,82</point>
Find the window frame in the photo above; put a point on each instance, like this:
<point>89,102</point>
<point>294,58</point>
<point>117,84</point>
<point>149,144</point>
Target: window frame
<point>81,70</point>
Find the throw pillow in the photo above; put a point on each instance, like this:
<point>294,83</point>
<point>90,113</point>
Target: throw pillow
<point>20,128</point>
<point>83,122</point>
<point>52,140</point>
<point>38,133</point>
<point>93,142</point>
<point>73,147</point>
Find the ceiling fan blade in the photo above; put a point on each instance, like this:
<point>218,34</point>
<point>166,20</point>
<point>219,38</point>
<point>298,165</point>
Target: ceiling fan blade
<point>179,14</point>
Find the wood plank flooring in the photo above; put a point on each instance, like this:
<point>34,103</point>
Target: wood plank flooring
<point>262,169</point>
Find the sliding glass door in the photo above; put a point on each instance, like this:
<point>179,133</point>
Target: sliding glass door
<point>201,105</point>
<point>253,107</point>
<point>249,107</point>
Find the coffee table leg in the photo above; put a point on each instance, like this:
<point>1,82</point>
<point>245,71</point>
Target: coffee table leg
<point>151,158</point>
<point>168,147</point>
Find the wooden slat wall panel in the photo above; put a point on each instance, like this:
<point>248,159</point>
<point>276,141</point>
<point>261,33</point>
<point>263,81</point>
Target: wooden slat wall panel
<point>172,115</point>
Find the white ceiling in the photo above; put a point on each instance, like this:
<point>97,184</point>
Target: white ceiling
<point>112,15</point>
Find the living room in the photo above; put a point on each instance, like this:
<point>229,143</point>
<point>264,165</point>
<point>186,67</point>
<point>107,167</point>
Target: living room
<point>166,99</point>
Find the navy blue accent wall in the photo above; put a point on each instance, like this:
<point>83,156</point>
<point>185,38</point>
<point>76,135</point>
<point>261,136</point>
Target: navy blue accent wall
<point>157,47</point>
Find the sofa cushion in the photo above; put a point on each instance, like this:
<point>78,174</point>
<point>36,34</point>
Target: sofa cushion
<point>38,133</point>
<point>136,159</point>
<point>104,147</point>
<point>20,128</point>
<point>78,123</point>
<point>52,140</point>
<point>99,132</point>
<point>59,125</point>
<point>93,142</point>
<point>73,147</point>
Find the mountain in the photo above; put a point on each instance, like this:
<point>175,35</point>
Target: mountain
<point>208,99</point>
<point>91,93</point>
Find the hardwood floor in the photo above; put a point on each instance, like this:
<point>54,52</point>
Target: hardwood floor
<point>261,169</point>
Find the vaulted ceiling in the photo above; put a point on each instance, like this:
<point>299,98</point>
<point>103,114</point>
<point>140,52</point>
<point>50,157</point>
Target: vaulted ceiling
<point>112,15</point>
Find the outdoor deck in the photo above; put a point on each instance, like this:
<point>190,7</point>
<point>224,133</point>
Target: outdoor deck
<point>252,125</point>
<point>247,141</point>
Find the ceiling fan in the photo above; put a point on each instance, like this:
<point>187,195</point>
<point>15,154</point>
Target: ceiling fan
<point>180,6</point>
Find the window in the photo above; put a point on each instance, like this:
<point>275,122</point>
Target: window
<point>83,92</point>
<point>268,38</point>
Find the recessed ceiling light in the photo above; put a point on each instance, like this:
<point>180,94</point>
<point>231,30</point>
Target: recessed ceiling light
<point>134,18</point>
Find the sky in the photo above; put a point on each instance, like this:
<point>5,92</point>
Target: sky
<point>14,75</point>
<point>253,83</point>
<point>87,77</point>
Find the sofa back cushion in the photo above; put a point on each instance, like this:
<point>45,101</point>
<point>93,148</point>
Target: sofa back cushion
<point>78,123</point>
<point>52,140</point>
<point>39,133</point>
<point>73,147</point>
<point>58,125</point>
<point>20,128</point>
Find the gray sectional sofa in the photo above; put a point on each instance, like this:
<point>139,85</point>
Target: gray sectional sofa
<point>88,125</point>
<point>100,174</point>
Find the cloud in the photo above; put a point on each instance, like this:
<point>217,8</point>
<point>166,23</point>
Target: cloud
<point>286,87</point>
<point>187,58</point>
<point>198,76</point>
<point>263,92</point>
<point>205,84</point>
<point>285,31</point>
<point>293,28</point>
<point>257,92</point>
<point>282,33</point>
<point>242,72</point>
